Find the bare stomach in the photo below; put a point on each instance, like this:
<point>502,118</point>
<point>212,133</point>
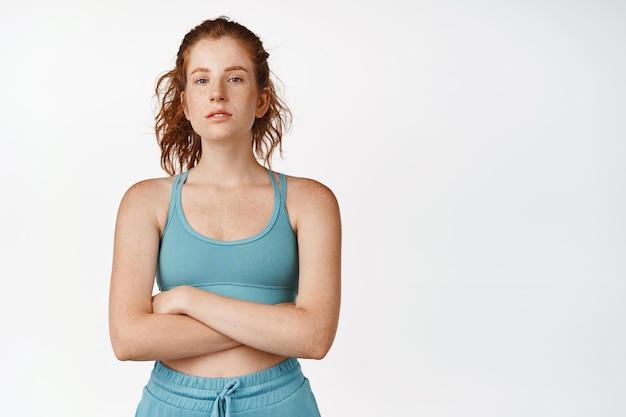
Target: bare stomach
<point>240,360</point>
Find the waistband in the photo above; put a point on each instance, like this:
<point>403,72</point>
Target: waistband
<point>225,395</point>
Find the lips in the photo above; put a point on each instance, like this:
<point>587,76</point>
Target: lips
<point>218,115</point>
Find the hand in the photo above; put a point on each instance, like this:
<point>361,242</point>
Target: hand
<point>169,302</point>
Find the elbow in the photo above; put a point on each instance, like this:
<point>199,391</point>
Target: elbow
<point>121,350</point>
<point>124,347</point>
<point>320,339</point>
<point>121,353</point>
<point>129,353</point>
<point>128,339</point>
<point>318,354</point>
<point>121,356</point>
<point>319,348</point>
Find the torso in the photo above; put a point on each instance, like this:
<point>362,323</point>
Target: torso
<point>226,215</point>
<point>241,360</point>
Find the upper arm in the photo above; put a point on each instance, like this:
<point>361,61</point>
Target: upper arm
<point>318,226</point>
<point>135,253</point>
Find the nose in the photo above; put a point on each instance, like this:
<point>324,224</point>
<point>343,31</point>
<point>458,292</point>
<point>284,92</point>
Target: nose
<point>217,93</point>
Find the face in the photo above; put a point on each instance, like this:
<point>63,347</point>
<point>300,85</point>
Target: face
<point>221,98</point>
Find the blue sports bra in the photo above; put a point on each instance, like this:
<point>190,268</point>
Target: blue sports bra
<point>262,268</point>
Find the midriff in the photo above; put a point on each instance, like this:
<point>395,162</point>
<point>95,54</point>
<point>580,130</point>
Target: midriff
<point>237,361</point>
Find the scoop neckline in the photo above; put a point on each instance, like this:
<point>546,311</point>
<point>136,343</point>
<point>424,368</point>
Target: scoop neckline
<point>268,226</point>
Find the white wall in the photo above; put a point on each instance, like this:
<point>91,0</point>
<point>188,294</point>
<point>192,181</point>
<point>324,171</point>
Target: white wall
<point>476,148</point>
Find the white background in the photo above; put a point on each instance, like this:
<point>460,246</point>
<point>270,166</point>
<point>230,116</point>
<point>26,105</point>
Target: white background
<point>476,148</point>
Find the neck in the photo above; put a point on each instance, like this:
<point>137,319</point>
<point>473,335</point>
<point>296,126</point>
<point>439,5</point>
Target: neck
<point>228,167</point>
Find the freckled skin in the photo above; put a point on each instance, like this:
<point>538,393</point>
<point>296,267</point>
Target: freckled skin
<point>227,196</point>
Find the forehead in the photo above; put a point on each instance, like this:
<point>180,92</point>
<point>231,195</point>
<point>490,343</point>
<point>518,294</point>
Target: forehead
<point>218,53</point>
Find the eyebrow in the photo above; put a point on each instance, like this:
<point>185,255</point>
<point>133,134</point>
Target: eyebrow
<point>231,68</point>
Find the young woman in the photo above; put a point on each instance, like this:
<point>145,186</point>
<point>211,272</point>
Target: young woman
<point>247,260</point>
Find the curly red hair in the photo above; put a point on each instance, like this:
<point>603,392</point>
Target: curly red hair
<point>180,145</point>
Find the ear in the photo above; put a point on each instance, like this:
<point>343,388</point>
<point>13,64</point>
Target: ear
<point>263,103</point>
<point>184,104</point>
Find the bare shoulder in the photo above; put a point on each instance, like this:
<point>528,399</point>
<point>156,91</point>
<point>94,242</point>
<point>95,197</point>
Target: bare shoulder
<point>308,199</point>
<point>148,198</point>
<point>309,191</point>
<point>148,191</point>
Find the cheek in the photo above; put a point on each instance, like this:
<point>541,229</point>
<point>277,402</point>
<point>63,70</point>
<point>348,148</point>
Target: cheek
<point>190,105</point>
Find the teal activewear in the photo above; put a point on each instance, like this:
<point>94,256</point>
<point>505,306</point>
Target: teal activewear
<point>279,391</point>
<point>262,268</point>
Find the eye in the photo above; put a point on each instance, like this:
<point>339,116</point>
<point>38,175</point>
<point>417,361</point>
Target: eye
<point>235,79</point>
<point>201,81</point>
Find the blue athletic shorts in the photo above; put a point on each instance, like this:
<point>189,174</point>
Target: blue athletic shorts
<point>279,391</point>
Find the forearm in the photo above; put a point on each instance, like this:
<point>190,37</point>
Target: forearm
<point>151,336</point>
<point>286,330</point>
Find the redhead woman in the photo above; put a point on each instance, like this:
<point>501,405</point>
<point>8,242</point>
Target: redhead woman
<point>247,260</point>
